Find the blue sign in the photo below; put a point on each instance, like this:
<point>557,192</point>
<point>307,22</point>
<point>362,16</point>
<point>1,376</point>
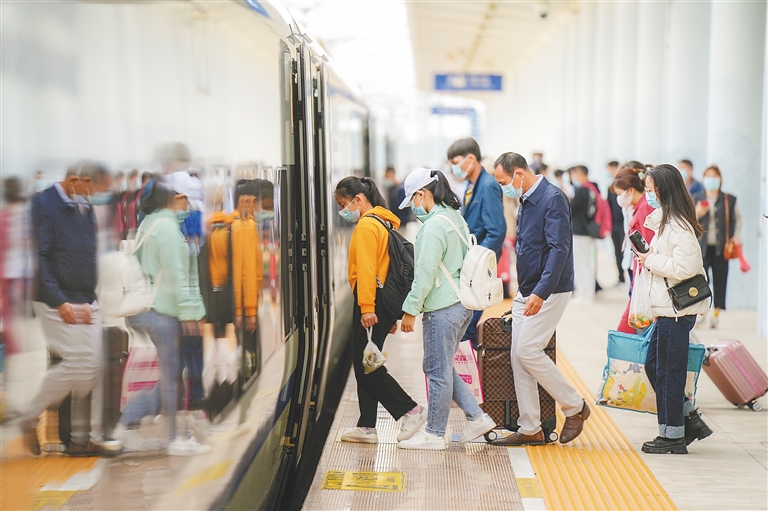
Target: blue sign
<point>256,6</point>
<point>468,82</point>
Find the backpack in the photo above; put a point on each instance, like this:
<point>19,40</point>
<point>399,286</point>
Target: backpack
<point>602,214</point>
<point>122,288</point>
<point>480,287</point>
<point>126,213</point>
<point>399,274</point>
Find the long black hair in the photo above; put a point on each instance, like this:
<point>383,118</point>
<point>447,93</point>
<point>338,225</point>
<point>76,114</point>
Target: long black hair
<point>351,186</point>
<point>676,203</point>
<point>441,191</point>
<point>158,197</point>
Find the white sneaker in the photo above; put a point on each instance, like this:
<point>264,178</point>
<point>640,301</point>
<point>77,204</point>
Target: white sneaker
<point>199,425</point>
<point>361,436</point>
<point>411,424</point>
<point>189,447</point>
<point>424,441</point>
<point>477,427</point>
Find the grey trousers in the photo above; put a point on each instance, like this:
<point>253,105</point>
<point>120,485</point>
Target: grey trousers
<point>530,335</point>
<point>78,373</point>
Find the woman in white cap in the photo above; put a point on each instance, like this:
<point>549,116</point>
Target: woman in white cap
<point>440,252</point>
<point>178,307</point>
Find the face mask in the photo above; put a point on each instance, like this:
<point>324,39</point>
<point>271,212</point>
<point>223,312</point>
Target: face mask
<point>576,184</point>
<point>181,215</point>
<point>456,169</point>
<point>350,216</point>
<point>624,200</point>
<point>711,184</point>
<point>512,192</point>
<point>650,198</point>
<point>419,210</point>
<point>101,199</point>
<point>264,216</point>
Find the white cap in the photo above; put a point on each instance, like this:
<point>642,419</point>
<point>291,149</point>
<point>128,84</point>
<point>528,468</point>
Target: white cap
<point>415,181</point>
<point>180,182</point>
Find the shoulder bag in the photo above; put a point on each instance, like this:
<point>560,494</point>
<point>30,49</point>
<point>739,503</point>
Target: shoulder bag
<point>689,292</point>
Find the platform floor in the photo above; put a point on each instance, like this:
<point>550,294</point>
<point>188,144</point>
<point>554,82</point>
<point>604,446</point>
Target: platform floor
<point>602,469</point>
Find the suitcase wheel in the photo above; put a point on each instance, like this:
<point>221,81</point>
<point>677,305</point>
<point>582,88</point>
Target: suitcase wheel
<point>756,406</point>
<point>491,436</point>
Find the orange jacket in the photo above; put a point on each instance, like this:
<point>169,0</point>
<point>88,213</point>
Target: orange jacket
<point>247,260</point>
<point>369,256</point>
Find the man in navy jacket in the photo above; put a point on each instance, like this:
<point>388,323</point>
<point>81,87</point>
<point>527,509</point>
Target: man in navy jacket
<point>545,278</point>
<point>65,303</point>
<point>482,205</point>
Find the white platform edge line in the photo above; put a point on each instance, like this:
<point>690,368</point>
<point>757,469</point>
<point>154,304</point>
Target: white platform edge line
<point>521,465</point>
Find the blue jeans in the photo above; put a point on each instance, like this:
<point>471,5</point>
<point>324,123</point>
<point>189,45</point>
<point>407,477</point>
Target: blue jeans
<point>164,331</point>
<point>667,370</point>
<point>443,330</point>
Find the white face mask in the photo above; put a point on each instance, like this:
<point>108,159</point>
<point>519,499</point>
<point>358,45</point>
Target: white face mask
<point>624,200</point>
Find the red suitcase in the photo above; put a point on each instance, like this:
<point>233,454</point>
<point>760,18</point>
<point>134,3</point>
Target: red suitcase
<point>736,373</point>
<point>494,338</point>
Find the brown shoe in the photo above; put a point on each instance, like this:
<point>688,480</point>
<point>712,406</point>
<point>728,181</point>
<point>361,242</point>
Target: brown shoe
<point>574,424</point>
<point>92,449</point>
<point>519,439</point>
<point>29,432</point>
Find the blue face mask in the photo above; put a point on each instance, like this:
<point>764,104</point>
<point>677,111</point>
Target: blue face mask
<point>650,198</point>
<point>350,216</point>
<point>419,210</point>
<point>512,192</point>
<point>101,198</point>
<point>711,184</point>
<point>181,215</point>
<point>456,169</point>
<point>264,216</point>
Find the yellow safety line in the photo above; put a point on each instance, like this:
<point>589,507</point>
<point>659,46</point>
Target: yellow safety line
<point>598,470</point>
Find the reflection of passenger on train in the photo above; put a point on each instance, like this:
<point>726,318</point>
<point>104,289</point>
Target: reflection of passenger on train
<point>359,200</point>
<point>439,246</point>
<point>545,278</point>
<point>14,231</point>
<point>164,257</point>
<point>65,302</point>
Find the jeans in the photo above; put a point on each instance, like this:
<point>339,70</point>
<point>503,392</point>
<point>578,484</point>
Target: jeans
<point>192,359</point>
<point>378,386</point>
<point>443,330</point>
<point>164,331</point>
<point>667,370</point>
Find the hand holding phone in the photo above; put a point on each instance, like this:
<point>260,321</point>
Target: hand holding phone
<point>639,243</point>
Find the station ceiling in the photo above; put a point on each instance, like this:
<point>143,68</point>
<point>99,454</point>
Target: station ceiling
<point>480,36</point>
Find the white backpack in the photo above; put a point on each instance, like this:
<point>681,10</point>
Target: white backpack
<point>480,287</point>
<point>123,290</point>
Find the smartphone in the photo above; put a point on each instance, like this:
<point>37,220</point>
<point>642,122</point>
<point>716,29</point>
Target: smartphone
<point>639,242</point>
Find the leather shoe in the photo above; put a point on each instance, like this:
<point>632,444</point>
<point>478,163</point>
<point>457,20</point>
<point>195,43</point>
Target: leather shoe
<point>517,439</point>
<point>92,449</point>
<point>662,445</point>
<point>29,433</point>
<point>574,424</point>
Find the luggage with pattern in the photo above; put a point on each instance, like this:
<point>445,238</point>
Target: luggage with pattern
<point>494,336</point>
<point>736,373</point>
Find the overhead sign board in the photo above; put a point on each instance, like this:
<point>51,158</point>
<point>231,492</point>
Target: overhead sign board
<point>467,82</point>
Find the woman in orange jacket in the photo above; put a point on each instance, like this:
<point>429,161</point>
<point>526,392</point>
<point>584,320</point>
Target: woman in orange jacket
<point>360,202</point>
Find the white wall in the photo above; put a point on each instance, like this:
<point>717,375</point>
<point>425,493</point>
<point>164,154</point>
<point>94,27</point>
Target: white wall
<point>656,82</point>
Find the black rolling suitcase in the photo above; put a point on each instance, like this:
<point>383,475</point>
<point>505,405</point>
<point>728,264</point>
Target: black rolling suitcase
<point>494,336</point>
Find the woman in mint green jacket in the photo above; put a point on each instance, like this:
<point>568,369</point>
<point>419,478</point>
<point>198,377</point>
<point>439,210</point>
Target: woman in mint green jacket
<point>178,306</point>
<point>445,319</point>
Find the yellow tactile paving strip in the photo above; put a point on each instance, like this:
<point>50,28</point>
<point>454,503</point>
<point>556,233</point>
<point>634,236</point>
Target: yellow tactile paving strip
<point>598,470</point>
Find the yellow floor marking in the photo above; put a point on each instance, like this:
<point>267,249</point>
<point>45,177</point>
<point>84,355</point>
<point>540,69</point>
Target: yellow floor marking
<point>51,499</point>
<point>206,476</point>
<point>529,487</point>
<point>364,481</point>
<point>598,470</point>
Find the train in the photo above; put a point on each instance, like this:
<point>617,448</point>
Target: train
<point>242,87</point>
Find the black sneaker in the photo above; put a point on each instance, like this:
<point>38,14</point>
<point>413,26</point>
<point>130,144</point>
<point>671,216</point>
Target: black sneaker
<point>695,428</point>
<point>662,445</point>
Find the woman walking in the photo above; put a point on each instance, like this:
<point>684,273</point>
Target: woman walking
<point>720,218</point>
<point>674,256</point>
<point>360,202</point>
<point>440,249</point>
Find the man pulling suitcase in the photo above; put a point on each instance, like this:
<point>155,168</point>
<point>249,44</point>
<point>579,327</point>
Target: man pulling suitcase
<point>545,277</point>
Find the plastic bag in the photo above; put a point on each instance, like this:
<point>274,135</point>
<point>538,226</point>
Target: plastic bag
<point>372,356</point>
<point>640,315</point>
<point>465,364</point>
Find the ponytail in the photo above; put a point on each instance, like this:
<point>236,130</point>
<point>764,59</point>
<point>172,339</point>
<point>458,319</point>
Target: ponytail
<point>351,186</point>
<point>441,191</point>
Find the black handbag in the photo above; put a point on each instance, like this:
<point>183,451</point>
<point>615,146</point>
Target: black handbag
<point>689,292</point>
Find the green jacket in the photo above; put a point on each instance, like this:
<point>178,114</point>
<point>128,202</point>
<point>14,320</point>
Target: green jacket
<point>436,242</point>
<point>166,253</point>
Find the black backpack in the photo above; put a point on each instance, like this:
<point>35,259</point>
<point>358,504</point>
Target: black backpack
<point>399,274</point>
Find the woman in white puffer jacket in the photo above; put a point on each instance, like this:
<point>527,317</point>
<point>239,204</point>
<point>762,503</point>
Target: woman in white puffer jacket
<point>675,255</point>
